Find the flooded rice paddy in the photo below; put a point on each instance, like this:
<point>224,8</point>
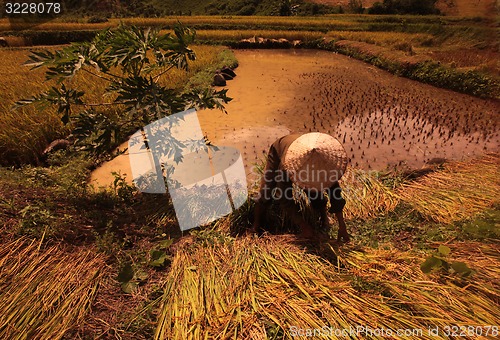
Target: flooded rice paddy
<point>383,121</point>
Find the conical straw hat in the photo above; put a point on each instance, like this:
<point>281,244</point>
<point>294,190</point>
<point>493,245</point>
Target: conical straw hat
<point>315,161</point>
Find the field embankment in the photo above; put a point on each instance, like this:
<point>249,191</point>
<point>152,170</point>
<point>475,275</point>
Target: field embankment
<point>422,68</point>
<point>450,52</point>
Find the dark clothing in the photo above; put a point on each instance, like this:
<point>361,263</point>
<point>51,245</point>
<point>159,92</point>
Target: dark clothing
<point>276,184</point>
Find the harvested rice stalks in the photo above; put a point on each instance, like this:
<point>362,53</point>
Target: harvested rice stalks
<point>257,288</point>
<point>44,293</point>
<point>365,195</point>
<point>458,192</point>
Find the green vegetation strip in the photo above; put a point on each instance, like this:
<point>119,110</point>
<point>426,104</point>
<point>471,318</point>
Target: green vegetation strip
<point>426,71</point>
<point>44,292</point>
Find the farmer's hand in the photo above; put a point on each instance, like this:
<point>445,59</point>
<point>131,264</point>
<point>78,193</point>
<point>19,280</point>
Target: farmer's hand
<point>252,230</point>
<point>343,237</point>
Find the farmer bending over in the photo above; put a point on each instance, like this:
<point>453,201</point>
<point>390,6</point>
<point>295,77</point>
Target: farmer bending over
<point>314,162</point>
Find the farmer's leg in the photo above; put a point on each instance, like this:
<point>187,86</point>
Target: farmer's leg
<point>259,216</point>
<point>319,204</point>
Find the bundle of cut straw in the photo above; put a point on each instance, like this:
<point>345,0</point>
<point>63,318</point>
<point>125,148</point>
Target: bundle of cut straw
<point>250,288</point>
<point>44,293</point>
<point>458,192</point>
<point>366,195</point>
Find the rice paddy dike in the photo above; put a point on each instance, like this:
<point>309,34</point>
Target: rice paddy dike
<point>81,262</point>
<point>458,53</point>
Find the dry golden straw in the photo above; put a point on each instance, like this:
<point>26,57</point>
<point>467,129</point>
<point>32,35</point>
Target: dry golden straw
<point>245,288</point>
<point>458,192</point>
<point>365,195</point>
<point>44,293</point>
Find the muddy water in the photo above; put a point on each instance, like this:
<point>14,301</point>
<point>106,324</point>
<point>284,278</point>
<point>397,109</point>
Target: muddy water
<point>383,121</point>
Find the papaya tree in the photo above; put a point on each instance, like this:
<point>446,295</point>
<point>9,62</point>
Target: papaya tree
<point>131,62</point>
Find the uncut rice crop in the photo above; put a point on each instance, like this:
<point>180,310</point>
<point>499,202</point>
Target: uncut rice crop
<point>224,22</point>
<point>26,132</point>
<point>458,192</point>
<point>44,293</point>
<point>383,38</point>
<point>227,22</point>
<point>252,288</point>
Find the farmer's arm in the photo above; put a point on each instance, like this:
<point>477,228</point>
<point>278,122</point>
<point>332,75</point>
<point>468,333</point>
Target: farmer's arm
<point>337,204</point>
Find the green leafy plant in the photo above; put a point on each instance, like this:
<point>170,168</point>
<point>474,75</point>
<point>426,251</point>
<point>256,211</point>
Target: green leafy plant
<point>131,62</point>
<point>159,256</point>
<point>121,188</point>
<point>36,221</point>
<point>130,278</point>
<point>439,260</point>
